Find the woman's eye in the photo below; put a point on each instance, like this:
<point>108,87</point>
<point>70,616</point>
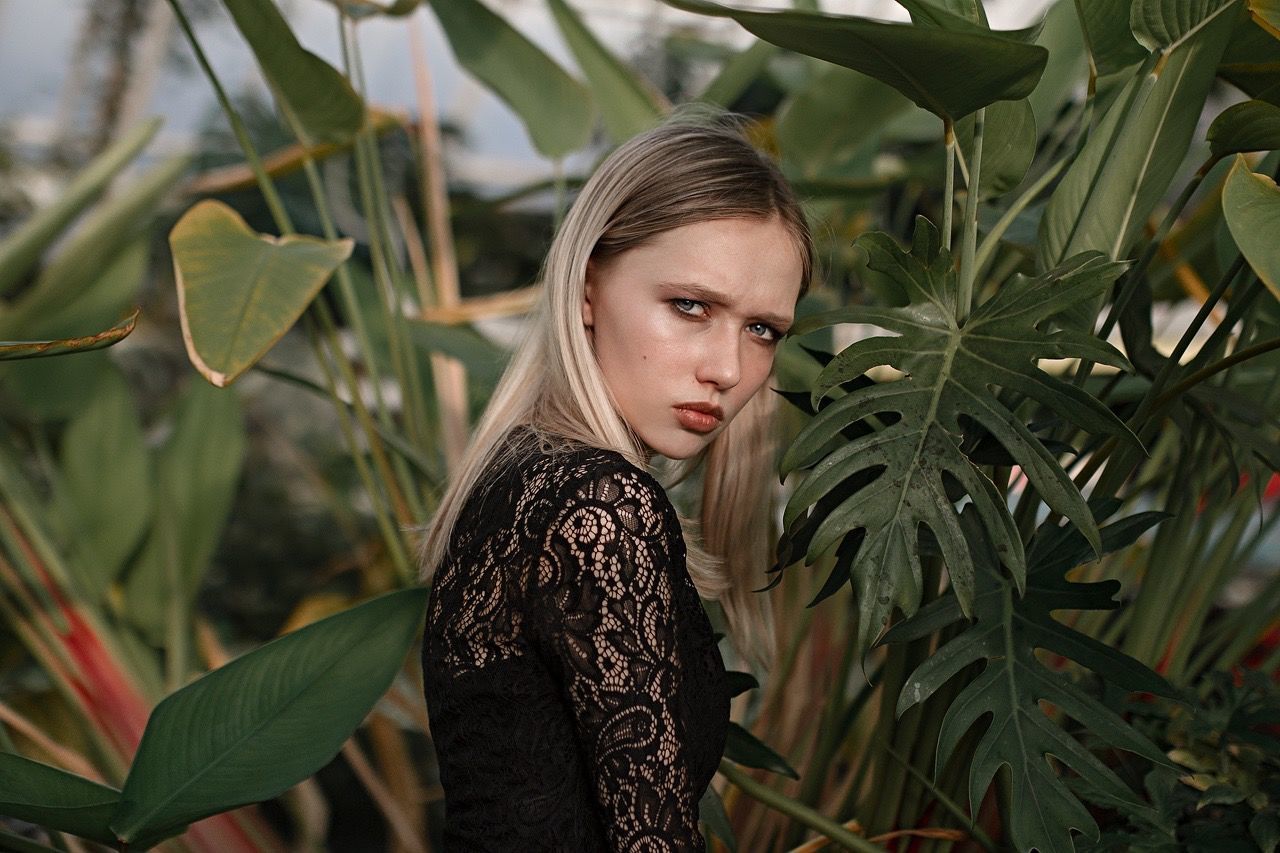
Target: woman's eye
<point>764,331</point>
<point>691,307</point>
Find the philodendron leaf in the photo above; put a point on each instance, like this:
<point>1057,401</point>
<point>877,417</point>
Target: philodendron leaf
<point>315,92</point>
<point>1251,204</point>
<point>742,747</point>
<point>948,73</point>
<point>628,103</point>
<point>950,372</point>
<point>36,349</point>
<point>56,799</point>
<point>1164,24</point>
<point>556,109</point>
<point>252,729</point>
<point>1109,39</point>
<point>238,291</point>
<point>1007,631</point>
<point>1249,126</point>
<point>1008,146</point>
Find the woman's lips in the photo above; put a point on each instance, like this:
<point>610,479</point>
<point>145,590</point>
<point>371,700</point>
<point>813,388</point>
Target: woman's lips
<point>700,417</point>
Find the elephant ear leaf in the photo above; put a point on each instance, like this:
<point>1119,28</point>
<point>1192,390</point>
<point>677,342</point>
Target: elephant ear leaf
<point>914,461</point>
<point>1006,632</point>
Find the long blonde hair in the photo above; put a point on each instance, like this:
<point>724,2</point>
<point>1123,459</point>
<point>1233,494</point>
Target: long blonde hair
<point>689,169</point>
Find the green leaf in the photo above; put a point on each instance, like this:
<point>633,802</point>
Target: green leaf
<point>107,475</point>
<point>627,103</point>
<point>1267,15</point>
<point>315,92</point>
<point>1133,155</point>
<point>238,291</point>
<point>252,729</point>
<point>1265,829</point>
<point>950,74</point>
<point>1164,24</point>
<point>1110,41</point>
<point>1008,145</point>
<point>1249,126</point>
<point>950,371</point>
<point>85,343</point>
<point>1251,61</point>
<point>196,475</point>
<point>742,747</point>
<point>1062,37</point>
<point>21,249</point>
<point>1220,795</point>
<point>711,813</point>
<point>56,799</point>
<point>739,72</point>
<point>1251,205</point>
<point>1007,631</point>
<point>556,109</point>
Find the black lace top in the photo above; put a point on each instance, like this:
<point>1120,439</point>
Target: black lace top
<point>576,695</point>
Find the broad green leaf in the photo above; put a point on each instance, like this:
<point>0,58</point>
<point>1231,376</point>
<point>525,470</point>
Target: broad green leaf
<point>1007,631</point>
<point>1008,145</point>
<point>315,92</point>
<point>1249,126</point>
<point>738,73</point>
<point>1251,61</point>
<point>556,109</point>
<point>950,74</point>
<point>238,291</point>
<point>80,267</point>
<point>1164,24</point>
<point>1267,14</point>
<point>950,370</point>
<point>627,103</point>
<point>21,249</point>
<point>99,340</point>
<point>1251,204</point>
<point>1107,35</point>
<point>107,475</point>
<point>1067,68</point>
<point>197,471</point>
<point>823,126</point>
<point>1133,155</point>
<point>742,747</point>
<point>56,799</point>
<point>252,729</point>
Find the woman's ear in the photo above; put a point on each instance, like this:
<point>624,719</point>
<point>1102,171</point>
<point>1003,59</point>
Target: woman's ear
<point>587,292</point>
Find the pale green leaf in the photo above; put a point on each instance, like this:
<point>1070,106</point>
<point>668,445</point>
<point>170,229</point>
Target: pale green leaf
<point>1251,204</point>
<point>238,291</point>
<point>252,729</point>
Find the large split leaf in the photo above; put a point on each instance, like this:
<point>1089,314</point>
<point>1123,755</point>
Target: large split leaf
<point>555,108</point>
<point>948,73</point>
<point>627,102</point>
<point>1251,204</point>
<point>315,92</point>
<point>55,798</point>
<point>264,722</point>
<point>951,371</point>
<point>238,291</point>
<point>1007,631</point>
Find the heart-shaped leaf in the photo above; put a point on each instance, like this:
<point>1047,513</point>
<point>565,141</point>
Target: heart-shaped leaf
<point>238,291</point>
<point>1251,204</point>
<point>948,73</point>
<point>250,730</point>
<point>315,92</point>
<point>56,799</point>
<point>950,373</point>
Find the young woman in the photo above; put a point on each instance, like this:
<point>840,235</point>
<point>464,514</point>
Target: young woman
<point>576,693</point>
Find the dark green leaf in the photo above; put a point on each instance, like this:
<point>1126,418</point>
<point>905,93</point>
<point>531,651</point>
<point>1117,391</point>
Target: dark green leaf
<point>742,747</point>
<point>1008,145</point>
<point>252,729</point>
<point>1249,126</point>
<point>950,74</point>
<point>1107,34</point>
<point>56,799</point>
<point>1163,24</point>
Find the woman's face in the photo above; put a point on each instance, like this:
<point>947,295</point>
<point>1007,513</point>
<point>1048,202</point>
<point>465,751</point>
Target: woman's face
<point>685,326</point>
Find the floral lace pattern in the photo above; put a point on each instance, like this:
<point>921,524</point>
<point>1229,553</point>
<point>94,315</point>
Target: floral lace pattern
<point>576,694</point>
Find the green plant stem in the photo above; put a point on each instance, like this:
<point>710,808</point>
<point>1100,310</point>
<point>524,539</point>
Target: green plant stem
<point>1216,368</point>
<point>991,242</point>
<point>968,246</point>
<point>949,189</point>
<point>795,810</point>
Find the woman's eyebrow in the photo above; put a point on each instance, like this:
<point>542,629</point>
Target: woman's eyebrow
<point>705,294</point>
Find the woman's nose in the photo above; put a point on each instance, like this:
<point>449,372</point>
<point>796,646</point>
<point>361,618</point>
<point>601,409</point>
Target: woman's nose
<point>720,362</point>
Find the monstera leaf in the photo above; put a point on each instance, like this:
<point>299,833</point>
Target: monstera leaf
<point>950,373</point>
<point>1006,633</point>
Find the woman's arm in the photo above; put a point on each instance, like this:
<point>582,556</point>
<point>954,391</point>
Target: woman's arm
<point>605,617</point>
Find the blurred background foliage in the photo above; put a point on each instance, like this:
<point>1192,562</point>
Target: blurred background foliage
<point>153,525</point>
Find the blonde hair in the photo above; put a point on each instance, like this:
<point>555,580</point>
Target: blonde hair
<point>689,169</point>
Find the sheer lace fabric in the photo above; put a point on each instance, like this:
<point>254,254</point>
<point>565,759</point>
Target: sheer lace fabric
<point>576,694</point>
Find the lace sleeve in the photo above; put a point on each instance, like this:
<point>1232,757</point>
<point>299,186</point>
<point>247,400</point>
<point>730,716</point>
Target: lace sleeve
<point>607,623</point>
